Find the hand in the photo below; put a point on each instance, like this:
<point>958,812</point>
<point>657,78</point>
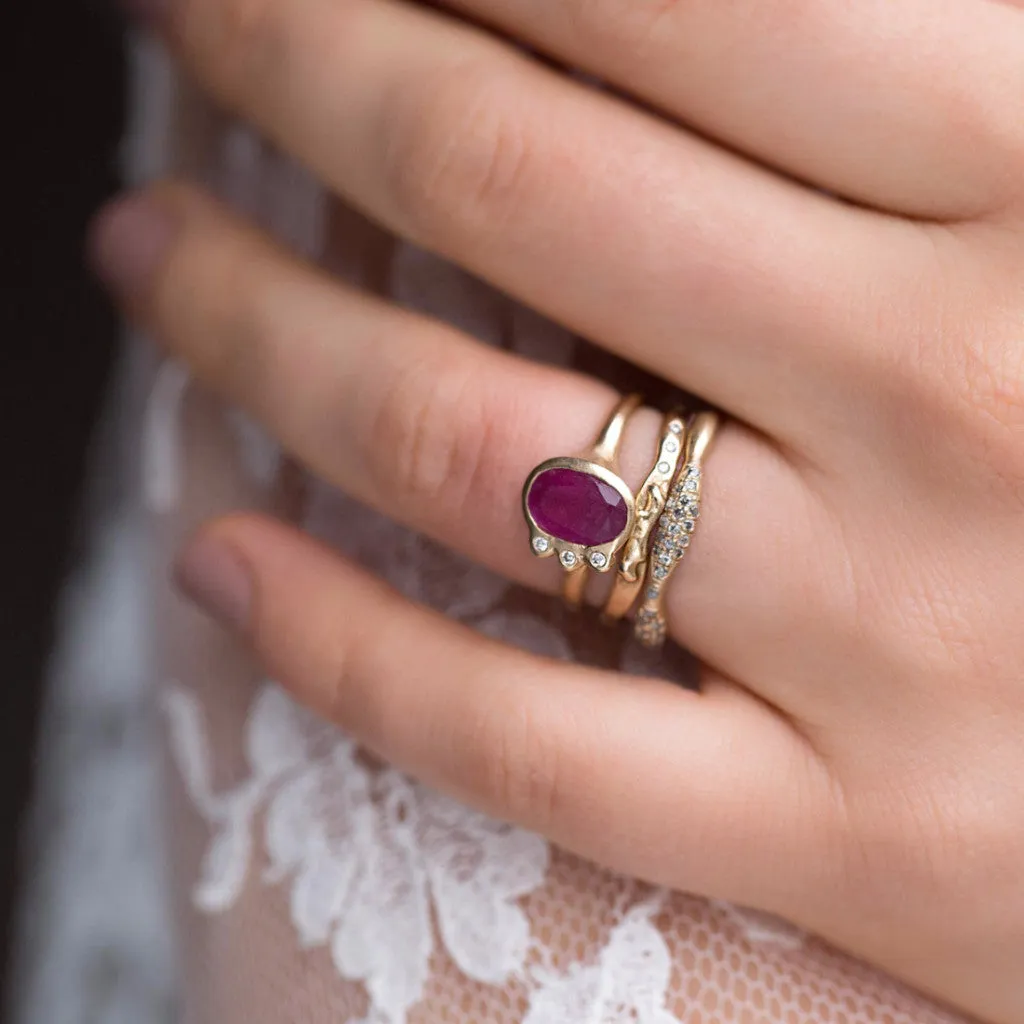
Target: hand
<point>834,260</point>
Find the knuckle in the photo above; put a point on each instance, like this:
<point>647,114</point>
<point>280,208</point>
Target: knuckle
<point>965,376</point>
<point>234,41</point>
<point>960,382</point>
<point>226,342</point>
<point>351,695</point>
<point>459,154</point>
<point>989,390</point>
<point>946,833</point>
<point>519,774</point>
<point>433,436</point>
<point>417,429</point>
<point>622,27</point>
<point>971,396</point>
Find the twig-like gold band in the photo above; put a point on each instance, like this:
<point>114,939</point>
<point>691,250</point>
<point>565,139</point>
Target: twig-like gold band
<point>650,502</point>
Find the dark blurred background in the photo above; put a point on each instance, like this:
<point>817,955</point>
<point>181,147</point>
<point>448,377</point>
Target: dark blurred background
<point>64,89</point>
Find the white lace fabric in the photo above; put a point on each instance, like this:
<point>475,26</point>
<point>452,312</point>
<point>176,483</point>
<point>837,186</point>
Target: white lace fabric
<point>408,907</point>
<point>320,887</point>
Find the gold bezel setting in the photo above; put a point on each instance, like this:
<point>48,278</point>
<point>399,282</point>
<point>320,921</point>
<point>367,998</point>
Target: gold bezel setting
<point>573,556</point>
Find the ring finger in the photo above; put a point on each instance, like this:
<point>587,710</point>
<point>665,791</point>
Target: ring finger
<point>438,431</point>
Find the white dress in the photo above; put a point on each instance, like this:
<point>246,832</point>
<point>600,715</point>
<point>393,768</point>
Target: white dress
<point>318,887</point>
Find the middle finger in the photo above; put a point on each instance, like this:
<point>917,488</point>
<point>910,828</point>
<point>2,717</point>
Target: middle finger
<point>742,286</point>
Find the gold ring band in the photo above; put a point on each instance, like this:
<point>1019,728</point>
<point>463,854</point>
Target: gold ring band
<point>650,503</point>
<point>580,509</point>
<point>675,529</point>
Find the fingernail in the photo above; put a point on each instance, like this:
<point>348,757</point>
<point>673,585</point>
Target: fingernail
<point>215,578</point>
<point>129,241</point>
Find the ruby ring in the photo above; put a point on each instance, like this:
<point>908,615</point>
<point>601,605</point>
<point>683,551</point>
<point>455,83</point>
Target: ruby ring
<point>579,508</point>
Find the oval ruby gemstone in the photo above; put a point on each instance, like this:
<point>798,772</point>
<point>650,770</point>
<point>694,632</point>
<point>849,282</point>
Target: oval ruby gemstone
<point>577,507</point>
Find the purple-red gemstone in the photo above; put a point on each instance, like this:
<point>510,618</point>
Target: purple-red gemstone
<point>577,507</point>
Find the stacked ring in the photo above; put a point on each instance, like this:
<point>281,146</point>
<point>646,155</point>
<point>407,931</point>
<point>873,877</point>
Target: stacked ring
<point>580,509</point>
<point>650,503</point>
<point>675,530</point>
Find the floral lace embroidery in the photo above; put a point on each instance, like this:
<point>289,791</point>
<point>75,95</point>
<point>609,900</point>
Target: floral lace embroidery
<point>364,853</point>
<point>367,853</point>
<point>630,981</point>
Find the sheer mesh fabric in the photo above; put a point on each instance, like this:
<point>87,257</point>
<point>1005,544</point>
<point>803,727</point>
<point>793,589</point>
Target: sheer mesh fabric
<point>318,887</point>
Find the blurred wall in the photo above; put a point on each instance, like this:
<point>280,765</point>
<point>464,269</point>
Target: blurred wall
<point>63,83</point>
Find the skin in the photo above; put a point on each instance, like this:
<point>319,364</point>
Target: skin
<point>815,222</point>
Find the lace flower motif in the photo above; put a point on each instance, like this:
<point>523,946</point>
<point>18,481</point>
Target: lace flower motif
<point>629,982</point>
<point>365,853</point>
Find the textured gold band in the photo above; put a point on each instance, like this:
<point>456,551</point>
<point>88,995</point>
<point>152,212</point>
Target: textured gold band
<point>650,502</point>
<point>675,529</point>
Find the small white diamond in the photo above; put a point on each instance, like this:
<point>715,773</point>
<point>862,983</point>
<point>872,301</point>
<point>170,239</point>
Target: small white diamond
<point>652,594</point>
<point>672,447</point>
<point>689,525</point>
<point>676,428</point>
<point>664,467</point>
<point>540,545</point>
<point>568,559</point>
<point>597,560</point>
<point>690,485</point>
<point>660,572</point>
<point>665,559</point>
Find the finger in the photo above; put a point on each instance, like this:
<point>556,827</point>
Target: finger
<point>645,778</point>
<point>722,276</point>
<point>910,106</point>
<point>439,432</point>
